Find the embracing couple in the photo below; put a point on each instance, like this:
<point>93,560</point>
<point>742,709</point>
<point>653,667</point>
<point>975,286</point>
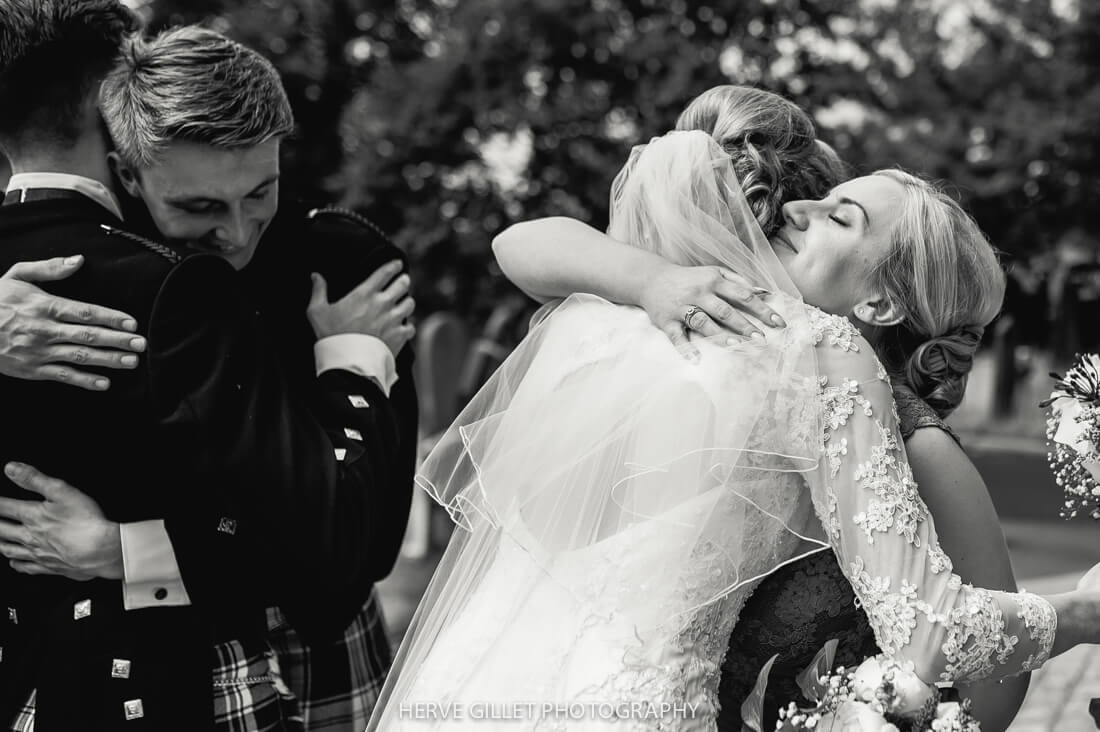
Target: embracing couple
<point>214,513</point>
<point>645,515</point>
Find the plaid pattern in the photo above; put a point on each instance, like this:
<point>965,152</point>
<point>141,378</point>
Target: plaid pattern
<point>336,685</point>
<point>249,694</point>
<point>24,722</point>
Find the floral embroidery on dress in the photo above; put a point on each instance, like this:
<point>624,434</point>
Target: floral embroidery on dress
<point>893,615</point>
<point>975,635</point>
<point>898,505</point>
<point>834,450</point>
<point>837,329</point>
<point>1041,622</point>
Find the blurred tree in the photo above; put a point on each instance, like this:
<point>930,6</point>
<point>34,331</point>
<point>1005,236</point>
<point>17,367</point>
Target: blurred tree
<point>448,120</point>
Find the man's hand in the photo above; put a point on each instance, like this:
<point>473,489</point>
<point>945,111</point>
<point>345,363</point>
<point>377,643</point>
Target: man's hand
<point>65,534</point>
<point>372,308</point>
<point>717,300</point>
<point>43,337</point>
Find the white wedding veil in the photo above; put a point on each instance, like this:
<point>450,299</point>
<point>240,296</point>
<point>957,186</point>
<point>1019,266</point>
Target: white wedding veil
<point>642,482</point>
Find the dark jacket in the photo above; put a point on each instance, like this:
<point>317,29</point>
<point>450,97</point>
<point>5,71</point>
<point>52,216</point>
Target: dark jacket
<point>208,434</point>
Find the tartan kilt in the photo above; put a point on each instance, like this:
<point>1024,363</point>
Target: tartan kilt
<point>337,684</point>
<point>249,693</point>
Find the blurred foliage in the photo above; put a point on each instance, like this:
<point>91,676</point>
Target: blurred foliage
<point>446,120</point>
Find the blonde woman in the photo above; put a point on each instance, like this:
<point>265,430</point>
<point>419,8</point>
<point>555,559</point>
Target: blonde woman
<point>950,292</point>
<point>617,504</point>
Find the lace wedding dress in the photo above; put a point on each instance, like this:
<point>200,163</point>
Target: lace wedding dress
<point>616,503</point>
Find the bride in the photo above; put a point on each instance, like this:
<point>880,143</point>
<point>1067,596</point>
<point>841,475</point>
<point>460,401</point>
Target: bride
<point>616,503</point>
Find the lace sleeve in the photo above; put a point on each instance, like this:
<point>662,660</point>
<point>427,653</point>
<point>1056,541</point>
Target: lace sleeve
<point>885,539</point>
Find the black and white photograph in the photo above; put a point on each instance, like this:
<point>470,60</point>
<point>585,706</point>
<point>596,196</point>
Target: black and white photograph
<point>550,365</point>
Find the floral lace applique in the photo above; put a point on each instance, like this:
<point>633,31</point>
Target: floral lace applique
<point>880,372</point>
<point>975,635</point>
<point>834,449</point>
<point>893,615</point>
<point>840,402</point>
<point>837,329</point>
<point>898,505</point>
<point>1041,622</point>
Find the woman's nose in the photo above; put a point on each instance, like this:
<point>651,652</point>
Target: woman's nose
<point>796,213</point>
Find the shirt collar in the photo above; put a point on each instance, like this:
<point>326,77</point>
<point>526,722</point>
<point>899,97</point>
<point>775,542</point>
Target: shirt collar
<point>93,189</point>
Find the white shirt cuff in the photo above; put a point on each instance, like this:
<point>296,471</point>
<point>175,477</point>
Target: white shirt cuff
<point>150,570</point>
<point>358,353</point>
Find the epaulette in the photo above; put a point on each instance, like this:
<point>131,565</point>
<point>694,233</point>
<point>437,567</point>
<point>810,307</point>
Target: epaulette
<point>350,216</point>
<point>155,247</point>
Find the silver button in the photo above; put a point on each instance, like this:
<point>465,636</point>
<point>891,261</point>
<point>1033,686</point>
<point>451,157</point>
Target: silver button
<point>120,668</point>
<point>82,609</point>
<point>13,616</point>
<point>353,434</point>
<point>133,709</point>
<point>358,401</point>
<point>1,654</point>
<point>341,453</point>
<point>227,526</point>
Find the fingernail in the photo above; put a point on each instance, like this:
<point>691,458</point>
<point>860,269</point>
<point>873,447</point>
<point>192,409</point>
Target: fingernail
<point>129,324</point>
<point>13,469</point>
<point>757,335</point>
<point>129,360</point>
<point>75,259</point>
<point>731,341</point>
<point>138,344</point>
<point>777,321</point>
<point>102,384</point>
<point>760,291</point>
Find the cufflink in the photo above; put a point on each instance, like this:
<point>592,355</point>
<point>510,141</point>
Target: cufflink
<point>133,709</point>
<point>160,593</point>
<point>341,453</point>
<point>82,609</point>
<point>358,401</point>
<point>353,434</point>
<point>227,526</point>
<point>13,616</point>
<point>120,669</point>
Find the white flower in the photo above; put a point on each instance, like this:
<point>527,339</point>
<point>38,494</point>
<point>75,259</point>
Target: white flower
<point>910,693</point>
<point>947,717</point>
<point>867,679</point>
<point>854,716</point>
<point>947,710</point>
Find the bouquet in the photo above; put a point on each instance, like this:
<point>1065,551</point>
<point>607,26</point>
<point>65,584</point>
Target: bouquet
<point>880,695</point>
<point>1073,432</point>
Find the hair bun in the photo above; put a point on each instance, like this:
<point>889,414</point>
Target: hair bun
<point>938,368</point>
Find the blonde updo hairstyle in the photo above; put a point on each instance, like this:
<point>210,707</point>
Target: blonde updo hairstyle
<point>773,146</point>
<point>945,278</point>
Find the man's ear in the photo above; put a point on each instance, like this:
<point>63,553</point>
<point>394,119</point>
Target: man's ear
<point>879,311</point>
<point>126,175</point>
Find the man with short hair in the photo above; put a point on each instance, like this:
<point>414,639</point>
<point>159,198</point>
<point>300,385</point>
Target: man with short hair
<point>220,456</point>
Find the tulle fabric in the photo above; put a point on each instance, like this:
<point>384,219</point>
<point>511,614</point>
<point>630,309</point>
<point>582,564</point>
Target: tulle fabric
<point>601,475</point>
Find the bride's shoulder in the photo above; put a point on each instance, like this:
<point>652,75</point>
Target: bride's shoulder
<point>841,347</point>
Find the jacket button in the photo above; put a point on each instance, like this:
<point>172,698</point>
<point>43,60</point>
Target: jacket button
<point>120,668</point>
<point>133,709</point>
<point>13,616</point>
<point>358,401</point>
<point>227,526</point>
<point>82,609</point>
